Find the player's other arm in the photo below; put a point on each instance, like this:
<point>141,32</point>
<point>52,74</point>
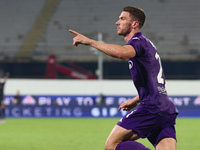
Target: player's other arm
<point>118,51</point>
<point>129,104</point>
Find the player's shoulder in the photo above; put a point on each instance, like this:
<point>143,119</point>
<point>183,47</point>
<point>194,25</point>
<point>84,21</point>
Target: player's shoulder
<point>138,38</point>
<point>135,41</point>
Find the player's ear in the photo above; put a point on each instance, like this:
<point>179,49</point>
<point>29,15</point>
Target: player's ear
<point>135,24</point>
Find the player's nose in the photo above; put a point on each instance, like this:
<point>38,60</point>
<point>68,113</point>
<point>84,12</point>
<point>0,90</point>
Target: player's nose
<point>117,23</point>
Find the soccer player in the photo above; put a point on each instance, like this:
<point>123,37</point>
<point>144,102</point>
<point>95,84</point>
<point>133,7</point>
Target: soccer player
<point>156,114</point>
<point>2,106</point>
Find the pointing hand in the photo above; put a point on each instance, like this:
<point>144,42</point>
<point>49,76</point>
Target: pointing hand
<point>79,38</point>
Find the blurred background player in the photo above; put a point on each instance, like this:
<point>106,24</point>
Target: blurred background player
<point>155,117</point>
<point>2,105</point>
<point>17,99</point>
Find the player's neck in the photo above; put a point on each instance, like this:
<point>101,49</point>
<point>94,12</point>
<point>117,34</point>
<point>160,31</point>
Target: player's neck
<point>130,35</point>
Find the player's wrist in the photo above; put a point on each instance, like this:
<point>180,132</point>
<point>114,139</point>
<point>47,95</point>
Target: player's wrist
<point>136,99</point>
<point>91,42</point>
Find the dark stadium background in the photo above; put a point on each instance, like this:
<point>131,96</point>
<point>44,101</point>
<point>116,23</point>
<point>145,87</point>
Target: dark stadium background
<point>31,31</point>
<point>112,70</point>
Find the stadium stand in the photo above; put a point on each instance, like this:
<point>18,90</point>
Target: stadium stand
<point>17,17</point>
<point>173,26</point>
<point>37,29</point>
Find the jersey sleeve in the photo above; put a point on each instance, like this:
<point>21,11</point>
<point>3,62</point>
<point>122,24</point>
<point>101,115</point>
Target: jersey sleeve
<point>137,45</point>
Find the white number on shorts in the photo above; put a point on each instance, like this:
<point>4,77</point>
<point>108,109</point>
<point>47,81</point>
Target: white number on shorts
<point>130,113</point>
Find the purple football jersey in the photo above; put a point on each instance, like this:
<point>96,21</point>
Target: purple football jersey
<point>148,77</point>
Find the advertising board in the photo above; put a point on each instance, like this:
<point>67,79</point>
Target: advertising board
<point>85,105</point>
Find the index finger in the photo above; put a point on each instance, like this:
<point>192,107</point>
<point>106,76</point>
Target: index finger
<point>74,32</point>
<point>120,107</point>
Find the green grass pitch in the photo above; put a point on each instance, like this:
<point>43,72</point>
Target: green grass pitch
<point>79,133</point>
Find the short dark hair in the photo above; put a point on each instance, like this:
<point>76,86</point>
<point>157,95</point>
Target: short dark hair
<point>136,14</point>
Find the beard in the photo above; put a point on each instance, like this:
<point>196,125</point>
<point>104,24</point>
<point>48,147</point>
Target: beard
<point>124,31</point>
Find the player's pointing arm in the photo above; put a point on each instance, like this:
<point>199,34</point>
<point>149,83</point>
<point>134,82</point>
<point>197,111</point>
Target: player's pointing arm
<point>118,51</point>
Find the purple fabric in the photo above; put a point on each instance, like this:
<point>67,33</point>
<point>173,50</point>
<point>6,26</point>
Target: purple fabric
<point>131,145</point>
<point>148,125</point>
<point>148,76</point>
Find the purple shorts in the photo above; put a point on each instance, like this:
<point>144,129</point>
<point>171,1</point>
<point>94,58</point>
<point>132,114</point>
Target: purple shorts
<point>148,125</point>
